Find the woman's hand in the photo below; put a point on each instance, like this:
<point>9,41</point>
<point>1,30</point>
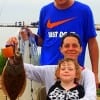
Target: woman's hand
<point>12,41</point>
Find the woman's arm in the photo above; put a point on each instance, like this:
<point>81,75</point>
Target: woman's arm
<point>88,81</point>
<point>34,72</point>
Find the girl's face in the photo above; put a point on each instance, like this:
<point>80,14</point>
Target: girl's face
<point>67,71</point>
<point>71,48</point>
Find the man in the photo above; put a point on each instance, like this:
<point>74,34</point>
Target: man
<point>59,18</point>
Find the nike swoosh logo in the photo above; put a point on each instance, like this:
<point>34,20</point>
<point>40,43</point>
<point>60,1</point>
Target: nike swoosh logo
<point>54,24</point>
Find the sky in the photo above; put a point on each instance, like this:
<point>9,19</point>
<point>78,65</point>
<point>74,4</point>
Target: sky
<point>28,10</point>
<point>20,10</point>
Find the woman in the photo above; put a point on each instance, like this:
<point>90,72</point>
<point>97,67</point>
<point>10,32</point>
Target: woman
<point>70,48</point>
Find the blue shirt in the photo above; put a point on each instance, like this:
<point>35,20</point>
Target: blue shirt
<point>54,23</point>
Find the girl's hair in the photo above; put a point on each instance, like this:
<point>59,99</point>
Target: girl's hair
<point>71,34</point>
<point>77,67</point>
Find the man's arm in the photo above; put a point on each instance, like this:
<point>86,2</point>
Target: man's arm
<point>94,56</point>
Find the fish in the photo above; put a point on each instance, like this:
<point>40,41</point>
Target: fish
<point>14,77</point>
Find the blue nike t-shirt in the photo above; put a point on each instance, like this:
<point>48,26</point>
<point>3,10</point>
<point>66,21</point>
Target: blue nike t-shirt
<point>54,23</point>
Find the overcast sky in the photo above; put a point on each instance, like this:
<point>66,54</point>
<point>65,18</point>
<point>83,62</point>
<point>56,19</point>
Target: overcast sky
<point>28,10</point>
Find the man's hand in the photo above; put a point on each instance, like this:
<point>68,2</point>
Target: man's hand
<point>25,33</point>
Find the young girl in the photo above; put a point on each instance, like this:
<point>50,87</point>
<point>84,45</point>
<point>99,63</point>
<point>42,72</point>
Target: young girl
<point>68,74</point>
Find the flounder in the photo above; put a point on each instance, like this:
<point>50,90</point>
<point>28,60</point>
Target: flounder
<point>13,77</point>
